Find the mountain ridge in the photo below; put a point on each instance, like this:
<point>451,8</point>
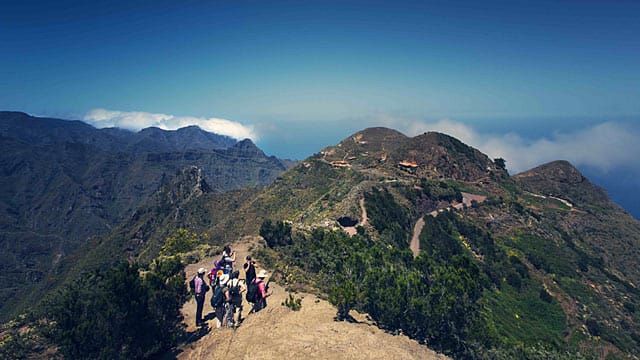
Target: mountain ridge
<point>551,236</point>
<point>36,130</point>
<point>71,181</point>
<point>541,263</point>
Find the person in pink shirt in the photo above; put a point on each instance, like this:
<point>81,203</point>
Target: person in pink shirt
<point>201,289</point>
<point>263,292</point>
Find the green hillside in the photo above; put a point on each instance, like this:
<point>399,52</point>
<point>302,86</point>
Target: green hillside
<point>537,269</point>
<point>65,183</point>
<point>540,265</point>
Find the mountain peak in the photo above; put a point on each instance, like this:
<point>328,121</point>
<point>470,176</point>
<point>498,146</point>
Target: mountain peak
<point>430,155</point>
<point>186,138</point>
<point>247,146</point>
<point>559,171</point>
<point>382,133</point>
<point>561,178</point>
<point>375,138</point>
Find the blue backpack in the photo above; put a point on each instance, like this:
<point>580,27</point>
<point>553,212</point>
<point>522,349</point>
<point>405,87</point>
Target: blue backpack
<point>218,297</point>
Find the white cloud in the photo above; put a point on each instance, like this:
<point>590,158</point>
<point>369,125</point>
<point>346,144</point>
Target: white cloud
<point>137,120</point>
<point>605,146</point>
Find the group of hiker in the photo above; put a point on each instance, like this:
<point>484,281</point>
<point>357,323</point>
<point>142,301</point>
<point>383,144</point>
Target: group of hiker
<point>228,289</point>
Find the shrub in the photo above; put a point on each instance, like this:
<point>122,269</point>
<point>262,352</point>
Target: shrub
<point>278,234</point>
<point>116,314</point>
<point>183,241</point>
<point>292,302</point>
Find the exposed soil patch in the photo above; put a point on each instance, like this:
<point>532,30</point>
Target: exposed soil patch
<point>280,333</point>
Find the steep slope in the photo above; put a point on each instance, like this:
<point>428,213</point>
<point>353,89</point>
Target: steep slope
<point>538,265</point>
<point>601,225</point>
<point>549,255</point>
<point>560,178</point>
<point>330,184</point>
<point>62,182</point>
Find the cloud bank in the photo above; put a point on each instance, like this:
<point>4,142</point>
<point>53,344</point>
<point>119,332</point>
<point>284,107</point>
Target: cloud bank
<point>604,147</point>
<point>137,120</point>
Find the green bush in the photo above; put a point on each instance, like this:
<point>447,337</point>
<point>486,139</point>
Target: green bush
<point>278,234</point>
<point>181,242</point>
<point>117,313</point>
<point>292,302</point>
<point>460,296</point>
<point>389,218</point>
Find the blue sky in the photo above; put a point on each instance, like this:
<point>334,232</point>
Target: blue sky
<point>519,79</point>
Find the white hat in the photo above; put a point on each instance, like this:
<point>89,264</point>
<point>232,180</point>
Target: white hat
<point>262,273</point>
<point>224,278</point>
<point>202,271</point>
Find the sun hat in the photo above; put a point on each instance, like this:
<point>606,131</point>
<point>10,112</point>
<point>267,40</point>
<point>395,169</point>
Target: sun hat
<point>262,274</point>
<point>224,278</point>
<point>202,271</point>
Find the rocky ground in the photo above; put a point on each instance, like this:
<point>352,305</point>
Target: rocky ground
<point>278,332</point>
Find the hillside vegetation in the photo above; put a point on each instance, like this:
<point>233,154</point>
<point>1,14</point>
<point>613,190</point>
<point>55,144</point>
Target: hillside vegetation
<point>63,183</point>
<point>536,266</point>
<point>533,270</point>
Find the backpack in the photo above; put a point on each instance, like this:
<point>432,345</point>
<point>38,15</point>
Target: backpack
<point>234,292</point>
<point>218,297</point>
<point>252,292</point>
<point>220,264</point>
<point>215,275</point>
<point>192,285</point>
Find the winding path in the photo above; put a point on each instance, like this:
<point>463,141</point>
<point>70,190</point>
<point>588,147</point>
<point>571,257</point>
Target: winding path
<point>363,222</point>
<point>415,239</point>
<point>467,200</point>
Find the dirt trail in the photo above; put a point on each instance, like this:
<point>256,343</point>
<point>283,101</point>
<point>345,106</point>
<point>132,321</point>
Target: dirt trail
<point>280,333</point>
<point>364,213</point>
<point>467,200</point>
<point>415,239</point>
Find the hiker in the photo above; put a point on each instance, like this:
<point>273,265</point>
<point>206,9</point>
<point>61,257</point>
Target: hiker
<point>249,270</point>
<point>263,292</point>
<point>200,288</point>
<point>236,288</point>
<point>220,298</point>
<point>215,272</point>
<point>228,258</point>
